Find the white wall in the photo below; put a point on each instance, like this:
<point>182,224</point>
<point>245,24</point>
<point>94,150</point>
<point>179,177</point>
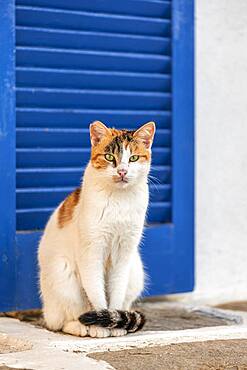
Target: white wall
<point>221,153</point>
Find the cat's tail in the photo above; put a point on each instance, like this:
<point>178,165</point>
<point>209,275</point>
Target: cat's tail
<point>128,320</point>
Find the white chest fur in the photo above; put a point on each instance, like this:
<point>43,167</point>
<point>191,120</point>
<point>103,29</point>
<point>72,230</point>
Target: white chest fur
<point>113,217</point>
<point>124,208</point>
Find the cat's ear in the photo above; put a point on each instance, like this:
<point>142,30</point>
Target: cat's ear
<point>97,131</point>
<point>145,134</point>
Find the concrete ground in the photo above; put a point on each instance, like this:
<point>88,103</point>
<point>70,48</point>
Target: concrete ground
<point>219,354</point>
<point>177,336</point>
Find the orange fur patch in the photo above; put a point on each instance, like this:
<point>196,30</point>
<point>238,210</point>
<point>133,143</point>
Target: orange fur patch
<point>66,210</point>
<point>138,148</point>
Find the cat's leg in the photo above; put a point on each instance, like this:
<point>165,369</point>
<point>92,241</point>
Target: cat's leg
<point>126,278</point>
<point>91,267</point>
<point>62,297</point>
<point>134,288</point>
<point>53,313</point>
<point>135,283</point>
<point>117,281</point>
<point>117,284</point>
<point>118,277</point>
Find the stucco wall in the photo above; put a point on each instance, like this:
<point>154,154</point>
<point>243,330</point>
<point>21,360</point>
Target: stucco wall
<point>221,149</point>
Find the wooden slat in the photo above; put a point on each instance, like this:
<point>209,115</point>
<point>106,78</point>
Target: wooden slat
<point>106,99</point>
<point>78,118</point>
<point>84,40</point>
<point>48,177</point>
<point>148,8</point>
<point>91,60</point>
<point>94,80</point>
<point>96,22</point>
<point>159,212</point>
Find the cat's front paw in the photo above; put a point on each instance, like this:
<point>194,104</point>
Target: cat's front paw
<point>98,332</point>
<point>75,328</point>
<point>118,332</point>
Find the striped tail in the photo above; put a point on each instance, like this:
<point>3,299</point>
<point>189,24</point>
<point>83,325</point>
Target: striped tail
<point>128,320</point>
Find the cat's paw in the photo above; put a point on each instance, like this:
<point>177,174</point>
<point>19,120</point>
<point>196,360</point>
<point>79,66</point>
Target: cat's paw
<point>75,328</point>
<point>98,332</point>
<point>118,332</point>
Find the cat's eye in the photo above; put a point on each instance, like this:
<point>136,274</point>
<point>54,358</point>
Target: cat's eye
<point>134,158</point>
<point>109,157</point>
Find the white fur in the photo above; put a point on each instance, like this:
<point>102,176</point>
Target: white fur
<point>93,262</point>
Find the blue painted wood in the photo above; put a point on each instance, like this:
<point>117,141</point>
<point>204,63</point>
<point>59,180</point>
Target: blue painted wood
<point>101,22</point>
<point>183,144</point>
<point>158,258</point>
<point>76,57</point>
<point>78,118</point>
<point>92,60</point>
<point>84,40</point>
<point>27,270</point>
<point>156,8</point>
<point>130,85</point>
<point>62,98</point>
<point>7,156</point>
<point>92,80</point>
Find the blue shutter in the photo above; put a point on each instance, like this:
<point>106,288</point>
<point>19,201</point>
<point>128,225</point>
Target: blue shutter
<point>81,61</point>
<point>7,156</point>
<point>124,63</point>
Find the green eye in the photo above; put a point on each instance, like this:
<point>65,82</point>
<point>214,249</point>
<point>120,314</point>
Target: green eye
<point>134,158</point>
<point>109,157</point>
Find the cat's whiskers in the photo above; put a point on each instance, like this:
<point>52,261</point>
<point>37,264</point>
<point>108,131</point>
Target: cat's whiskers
<point>152,180</point>
<point>154,185</point>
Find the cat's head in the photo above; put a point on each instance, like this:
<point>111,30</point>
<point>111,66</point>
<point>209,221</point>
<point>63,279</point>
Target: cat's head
<point>121,157</point>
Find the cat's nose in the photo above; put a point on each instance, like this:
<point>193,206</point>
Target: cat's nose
<point>122,172</point>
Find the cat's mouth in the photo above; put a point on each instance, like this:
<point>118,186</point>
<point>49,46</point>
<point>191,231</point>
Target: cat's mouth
<point>120,180</point>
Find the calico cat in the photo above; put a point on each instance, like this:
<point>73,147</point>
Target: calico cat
<point>90,267</point>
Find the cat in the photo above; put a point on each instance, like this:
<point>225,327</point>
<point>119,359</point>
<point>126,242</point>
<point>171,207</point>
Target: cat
<point>90,266</point>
